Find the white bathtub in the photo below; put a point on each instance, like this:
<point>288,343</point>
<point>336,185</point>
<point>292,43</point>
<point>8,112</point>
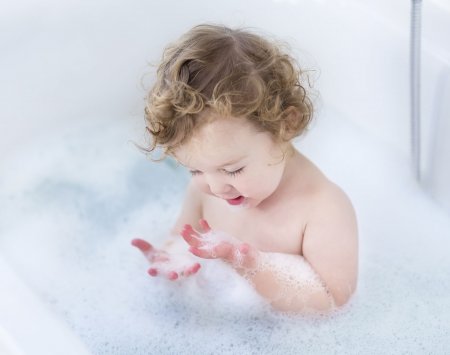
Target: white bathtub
<point>27,325</point>
<point>73,191</point>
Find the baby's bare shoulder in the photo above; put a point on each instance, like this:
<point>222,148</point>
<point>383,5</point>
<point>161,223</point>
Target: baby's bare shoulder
<point>330,241</point>
<point>316,190</point>
<point>330,197</point>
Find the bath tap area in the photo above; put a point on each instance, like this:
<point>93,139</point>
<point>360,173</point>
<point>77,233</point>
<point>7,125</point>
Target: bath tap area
<point>75,189</point>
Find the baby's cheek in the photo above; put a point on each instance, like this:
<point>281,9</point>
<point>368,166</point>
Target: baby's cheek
<point>250,185</point>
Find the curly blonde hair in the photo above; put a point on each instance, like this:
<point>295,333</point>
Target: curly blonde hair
<point>234,73</point>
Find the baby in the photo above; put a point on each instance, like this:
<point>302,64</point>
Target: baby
<point>227,104</point>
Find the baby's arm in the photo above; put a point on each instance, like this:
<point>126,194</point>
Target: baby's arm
<point>330,243</point>
<point>286,281</point>
<point>324,277</point>
<point>330,249</point>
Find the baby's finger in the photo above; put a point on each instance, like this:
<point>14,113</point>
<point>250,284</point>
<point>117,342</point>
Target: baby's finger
<point>151,253</point>
<point>145,247</point>
<point>153,272</point>
<point>205,226</point>
<point>191,236</point>
<point>190,270</point>
<point>220,251</point>
<point>172,275</point>
<point>244,248</point>
<point>201,253</point>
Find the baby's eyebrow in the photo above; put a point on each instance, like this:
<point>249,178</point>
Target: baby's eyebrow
<point>234,161</point>
<point>231,162</point>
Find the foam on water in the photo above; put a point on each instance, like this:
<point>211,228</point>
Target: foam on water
<point>74,202</point>
<point>298,283</point>
<point>296,275</point>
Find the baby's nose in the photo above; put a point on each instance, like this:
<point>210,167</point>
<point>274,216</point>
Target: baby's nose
<point>218,187</point>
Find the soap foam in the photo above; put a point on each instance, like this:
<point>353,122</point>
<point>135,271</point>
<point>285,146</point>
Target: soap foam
<point>300,284</point>
<point>75,202</point>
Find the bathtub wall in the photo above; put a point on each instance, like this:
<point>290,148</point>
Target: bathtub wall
<point>69,61</point>
<point>436,100</point>
<point>376,34</point>
<point>26,324</point>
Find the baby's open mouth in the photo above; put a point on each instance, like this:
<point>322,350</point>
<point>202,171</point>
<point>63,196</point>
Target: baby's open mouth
<point>236,201</point>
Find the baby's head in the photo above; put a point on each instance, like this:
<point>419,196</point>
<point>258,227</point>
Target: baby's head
<point>229,73</point>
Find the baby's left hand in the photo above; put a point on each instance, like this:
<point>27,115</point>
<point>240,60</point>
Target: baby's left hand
<point>218,245</point>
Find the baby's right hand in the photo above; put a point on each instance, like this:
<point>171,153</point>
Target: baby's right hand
<point>162,263</point>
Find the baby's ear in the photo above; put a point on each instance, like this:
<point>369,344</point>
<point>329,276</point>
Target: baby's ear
<point>291,123</point>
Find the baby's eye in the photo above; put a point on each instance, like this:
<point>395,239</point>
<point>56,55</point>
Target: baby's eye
<point>195,172</point>
<point>234,173</point>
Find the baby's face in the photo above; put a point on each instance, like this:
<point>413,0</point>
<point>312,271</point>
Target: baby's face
<point>231,160</point>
